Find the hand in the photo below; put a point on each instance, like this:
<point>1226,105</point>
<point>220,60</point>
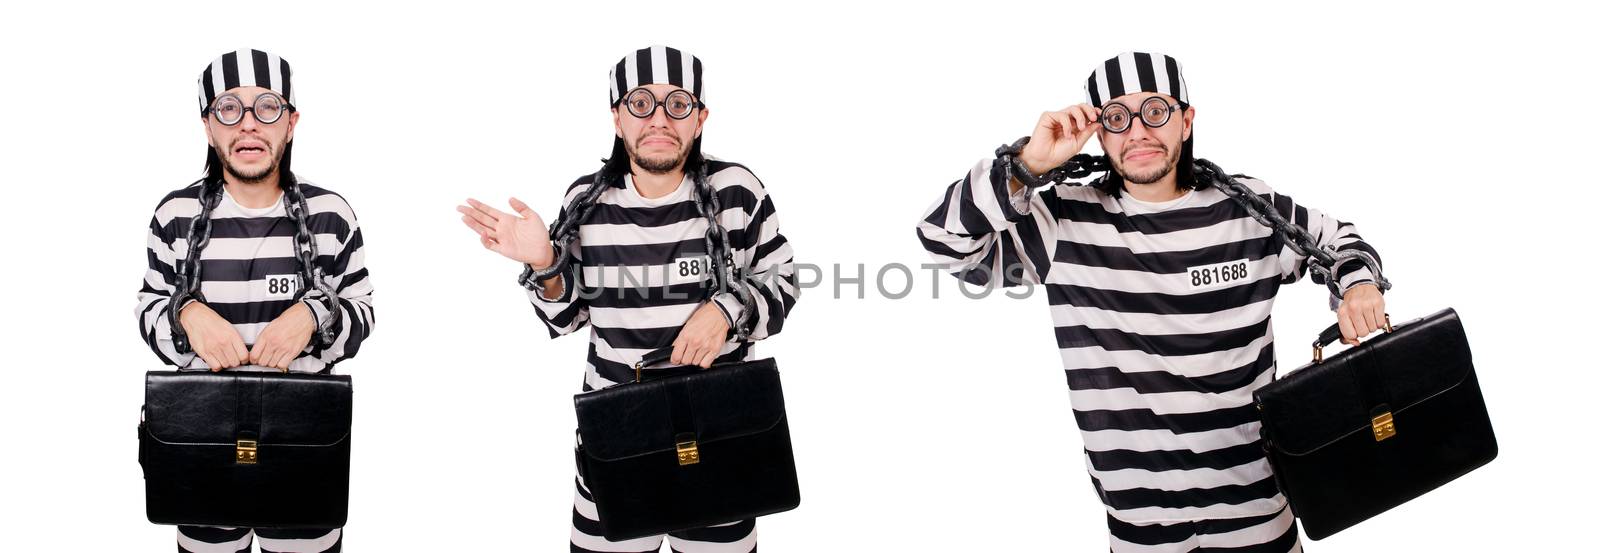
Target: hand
<point>284,338</point>
<point>522,238</point>
<point>1059,136</point>
<point>1361,313</point>
<point>702,337</point>
<point>212,337</point>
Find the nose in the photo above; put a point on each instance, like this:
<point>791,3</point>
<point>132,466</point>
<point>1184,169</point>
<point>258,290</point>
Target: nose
<point>1136,129</point>
<point>659,118</point>
<point>249,122</point>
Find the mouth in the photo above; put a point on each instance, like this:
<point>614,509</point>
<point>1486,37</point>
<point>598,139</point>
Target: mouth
<point>249,149</point>
<point>1142,154</point>
<point>659,140</point>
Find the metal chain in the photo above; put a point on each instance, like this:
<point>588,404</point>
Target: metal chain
<point>1323,261</point>
<point>188,275</point>
<point>1079,166</point>
<point>725,272</point>
<point>306,250</point>
<point>188,272</point>
<point>729,278</point>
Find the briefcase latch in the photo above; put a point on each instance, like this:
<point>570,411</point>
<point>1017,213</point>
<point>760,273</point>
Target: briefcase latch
<point>688,450</point>
<point>245,452</point>
<point>1383,426</point>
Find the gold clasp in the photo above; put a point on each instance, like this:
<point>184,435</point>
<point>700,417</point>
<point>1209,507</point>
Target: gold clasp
<point>245,452</point>
<point>688,450</point>
<point>1383,426</point>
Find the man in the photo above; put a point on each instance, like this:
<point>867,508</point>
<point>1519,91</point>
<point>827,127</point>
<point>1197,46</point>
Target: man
<point>1161,351</point>
<point>639,273</point>
<point>235,231</point>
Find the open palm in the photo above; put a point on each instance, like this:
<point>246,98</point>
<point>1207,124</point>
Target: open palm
<point>521,236</point>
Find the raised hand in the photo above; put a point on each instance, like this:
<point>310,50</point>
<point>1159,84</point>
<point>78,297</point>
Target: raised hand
<point>521,237</point>
<point>1058,136</point>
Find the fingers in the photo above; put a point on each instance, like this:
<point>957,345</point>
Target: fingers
<point>281,359</point>
<point>240,354</point>
<point>477,226</point>
<point>522,208</point>
<point>487,209</point>
<point>707,356</point>
<point>1347,329</point>
<point>678,351</point>
<point>481,213</point>
<point>210,360</point>
<point>488,242</point>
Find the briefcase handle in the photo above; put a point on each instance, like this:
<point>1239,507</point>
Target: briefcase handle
<point>1332,334</point>
<point>656,356</point>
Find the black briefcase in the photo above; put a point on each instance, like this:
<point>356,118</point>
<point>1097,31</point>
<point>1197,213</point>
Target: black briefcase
<point>246,449</point>
<point>1378,424</point>
<point>699,448</point>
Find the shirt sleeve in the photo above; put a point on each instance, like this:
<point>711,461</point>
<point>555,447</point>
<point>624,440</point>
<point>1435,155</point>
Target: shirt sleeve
<point>979,228</point>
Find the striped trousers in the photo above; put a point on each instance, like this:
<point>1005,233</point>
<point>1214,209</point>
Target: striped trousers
<point>205,539</point>
<point>736,537</point>
<point>1274,533</point>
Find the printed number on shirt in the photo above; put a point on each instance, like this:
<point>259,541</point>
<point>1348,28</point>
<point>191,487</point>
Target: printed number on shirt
<point>280,286</point>
<point>1219,275</point>
<point>689,269</point>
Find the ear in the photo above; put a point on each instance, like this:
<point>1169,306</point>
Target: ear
<point>1188,122</point>
<point>294,117</point>
<point>616,121</point>
<point>701,127</point>
<point>205,122</point>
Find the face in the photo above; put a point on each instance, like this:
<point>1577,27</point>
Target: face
<point>1143,155</point>
<point>658,143</point>
<point>250,150</point>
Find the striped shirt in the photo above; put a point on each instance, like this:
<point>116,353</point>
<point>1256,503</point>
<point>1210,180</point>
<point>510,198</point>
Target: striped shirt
<point>639,270</point>
<point>250,272</point>
<point>1163,314</point>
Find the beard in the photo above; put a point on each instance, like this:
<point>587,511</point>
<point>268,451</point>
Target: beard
<point>248,176</point>
<point>661,164</point>
<point>1154,174</point>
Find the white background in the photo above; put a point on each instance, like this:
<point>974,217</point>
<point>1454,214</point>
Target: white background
<point>1459,140</point>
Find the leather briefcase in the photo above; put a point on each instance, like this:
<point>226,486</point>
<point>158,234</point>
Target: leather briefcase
<point>1376,425</point>
<point>246,449</point>
<point>695,449</point>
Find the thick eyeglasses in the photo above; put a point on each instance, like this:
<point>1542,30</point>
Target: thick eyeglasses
<point>1154,111</point>
<point>642,103</point>
<point>268,109</point>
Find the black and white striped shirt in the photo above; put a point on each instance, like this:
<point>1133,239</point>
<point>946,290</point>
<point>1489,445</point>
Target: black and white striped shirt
<point>639,270</point>
<point>1163,313</point>
<point>249,272</point>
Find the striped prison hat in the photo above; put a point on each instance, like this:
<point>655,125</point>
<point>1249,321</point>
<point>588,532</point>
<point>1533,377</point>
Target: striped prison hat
<point>657,65</point>
<point>245,68</point>
<point>1132,72</point>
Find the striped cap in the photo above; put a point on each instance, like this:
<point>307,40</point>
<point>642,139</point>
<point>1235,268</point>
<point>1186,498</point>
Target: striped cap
<point>657,65</point>
<point>1132,72</point>
<point>245,68</point>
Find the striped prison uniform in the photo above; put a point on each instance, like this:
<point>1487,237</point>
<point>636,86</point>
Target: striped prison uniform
<point>202,539</point>
<point>638,271</point>
<point>248,272</point>
<point>1162,313</point>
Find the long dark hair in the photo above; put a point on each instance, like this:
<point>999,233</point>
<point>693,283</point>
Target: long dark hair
<point>1111,183</point>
